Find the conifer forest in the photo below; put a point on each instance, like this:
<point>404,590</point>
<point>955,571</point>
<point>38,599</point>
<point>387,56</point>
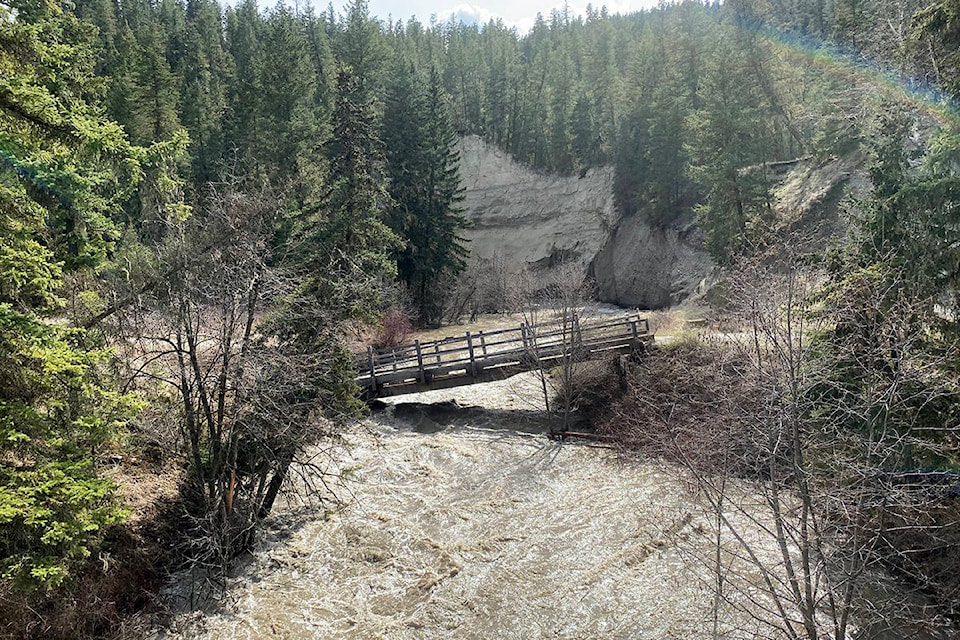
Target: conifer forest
<point>209,210</point>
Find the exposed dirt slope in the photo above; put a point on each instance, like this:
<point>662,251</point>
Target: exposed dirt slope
<point>533,218</point>
<point>540,220</point>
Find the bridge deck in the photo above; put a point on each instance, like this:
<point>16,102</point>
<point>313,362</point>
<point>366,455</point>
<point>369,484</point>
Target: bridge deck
<point>484,356</point>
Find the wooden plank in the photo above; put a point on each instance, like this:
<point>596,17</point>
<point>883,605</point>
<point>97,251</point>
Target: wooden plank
<point>473,364</point>
<point>509,350</point>
<point>373,369</point>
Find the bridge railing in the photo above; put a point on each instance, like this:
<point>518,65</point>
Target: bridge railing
<point>469,354</point>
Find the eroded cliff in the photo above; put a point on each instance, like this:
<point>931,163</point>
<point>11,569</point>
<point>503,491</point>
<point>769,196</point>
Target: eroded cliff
<point>541,220</point>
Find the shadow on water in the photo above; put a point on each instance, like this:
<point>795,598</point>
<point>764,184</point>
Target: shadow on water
<point>435,417</point>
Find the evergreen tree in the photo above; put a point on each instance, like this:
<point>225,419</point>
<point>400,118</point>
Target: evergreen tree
<point>936,39</point>
<point>586,134</point>
<point>729,145</point>
<point>359,46</point>
<point>341,239</point>
<point>439,234</point>
<point>403,137</point>
<point>243,122</point>
<point>62,170</point>
<point>288,127</point>
<point>155,89</point>
<point>423,167</point>
<point>561,110</point>
<point>207,72</point>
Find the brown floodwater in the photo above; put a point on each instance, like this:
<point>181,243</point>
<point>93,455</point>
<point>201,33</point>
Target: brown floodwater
<point>471,524</point>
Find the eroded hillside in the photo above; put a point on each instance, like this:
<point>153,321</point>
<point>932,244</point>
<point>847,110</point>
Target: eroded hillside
<point>539,220</point>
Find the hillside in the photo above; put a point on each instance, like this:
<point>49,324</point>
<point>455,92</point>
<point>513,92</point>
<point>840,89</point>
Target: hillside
<point>539,220</point>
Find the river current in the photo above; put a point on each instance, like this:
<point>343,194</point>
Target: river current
<point>473,525</point>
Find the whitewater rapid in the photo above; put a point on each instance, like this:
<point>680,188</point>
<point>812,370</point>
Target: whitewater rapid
<point>461,524</point>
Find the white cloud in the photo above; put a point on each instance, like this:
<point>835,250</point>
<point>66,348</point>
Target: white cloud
<point>523,14</point>
<point>467,14</point>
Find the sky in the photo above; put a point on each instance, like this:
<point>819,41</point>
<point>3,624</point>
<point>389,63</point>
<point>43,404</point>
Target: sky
<point>515,13</point>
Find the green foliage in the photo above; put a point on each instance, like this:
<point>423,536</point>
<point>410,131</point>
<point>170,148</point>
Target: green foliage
<point>423,168</point>
<point>341,238</point>
<point>64,171</point>
<point>936,29</point>
<point>729,146</point>
<point>55,414</point>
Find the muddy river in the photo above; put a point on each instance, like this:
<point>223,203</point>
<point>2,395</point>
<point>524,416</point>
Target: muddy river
<point>470,523</point>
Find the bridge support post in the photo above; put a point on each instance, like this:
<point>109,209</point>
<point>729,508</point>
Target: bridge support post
<point>472,370</point>
<point>373,370</point>
<point>423,378</point>
<point>633,330</point>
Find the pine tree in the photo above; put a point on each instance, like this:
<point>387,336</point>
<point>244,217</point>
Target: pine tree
<point>586,135</point>
<point>288,127</point>
<point>243,121</point>
<point>403,133</point>
<point>561,109</point>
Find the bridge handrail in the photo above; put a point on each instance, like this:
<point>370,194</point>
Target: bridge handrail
<point>473,351</point>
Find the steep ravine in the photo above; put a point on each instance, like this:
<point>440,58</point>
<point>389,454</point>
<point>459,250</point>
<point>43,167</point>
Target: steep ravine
<point>469,525</point>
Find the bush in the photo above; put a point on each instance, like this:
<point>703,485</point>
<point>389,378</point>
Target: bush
<point>597,384</point>
<point>395,329</point>
<point>691,403</point>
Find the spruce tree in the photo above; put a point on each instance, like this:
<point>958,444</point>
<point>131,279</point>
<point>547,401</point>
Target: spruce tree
<point>63,169</point>
<point>359,46</point>
<point>423,167</point>
<point>341,239</point>
<point>729,144</point>
<point>207,71</point>
<point>443,246</point>
<point>155,89</point>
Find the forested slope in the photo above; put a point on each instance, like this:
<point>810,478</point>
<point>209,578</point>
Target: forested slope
<point>199,203</point>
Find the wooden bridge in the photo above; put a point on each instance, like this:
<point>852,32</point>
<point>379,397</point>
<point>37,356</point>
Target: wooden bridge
<point>491,355</point>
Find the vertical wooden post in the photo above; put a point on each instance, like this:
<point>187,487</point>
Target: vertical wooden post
<point>373,369</point>
<point>523,335</point>
<point>633,329</point>
<point>423,378</point>
<point>436,350</point>
<point>483,344</point>
<point>472,370</point>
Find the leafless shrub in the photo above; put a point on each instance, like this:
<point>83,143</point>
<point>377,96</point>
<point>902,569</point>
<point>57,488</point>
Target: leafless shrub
<point>486,286</point>
<point>822,404</point>
<point>694,403</point>
<point>395,328</point>
<point>210,341</point>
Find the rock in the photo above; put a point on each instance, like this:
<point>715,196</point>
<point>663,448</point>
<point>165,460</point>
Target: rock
<point>640,266</point>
